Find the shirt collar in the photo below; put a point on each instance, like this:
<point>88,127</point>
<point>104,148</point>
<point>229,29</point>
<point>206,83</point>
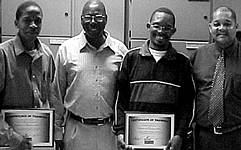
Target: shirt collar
<point>170,54</point>
<point>83,41</point>
<point>19,48</point>
<point>227,51</point>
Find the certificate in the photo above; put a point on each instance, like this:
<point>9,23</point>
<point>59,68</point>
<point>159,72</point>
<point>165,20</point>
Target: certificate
<point>148,130</point>
<point>38,124</point>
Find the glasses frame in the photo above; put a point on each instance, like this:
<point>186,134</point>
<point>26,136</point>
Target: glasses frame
<point>163,28</point>
<point>95,17</point>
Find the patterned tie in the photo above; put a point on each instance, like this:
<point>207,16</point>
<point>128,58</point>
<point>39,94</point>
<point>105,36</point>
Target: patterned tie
<point>216,114</point>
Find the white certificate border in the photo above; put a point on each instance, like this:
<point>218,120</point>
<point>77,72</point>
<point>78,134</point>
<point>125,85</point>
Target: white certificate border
<point>51,122</point>
<point>129,114</point>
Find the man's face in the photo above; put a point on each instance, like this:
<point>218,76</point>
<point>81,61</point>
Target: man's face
<point>223,28</point>
<point>93,20</point>
<point>30,23</point>
<point>161,29</point>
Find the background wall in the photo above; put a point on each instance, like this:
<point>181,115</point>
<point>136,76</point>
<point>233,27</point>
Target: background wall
<point>61,19</point>
<point>126,20</point>
<point>192,19</point>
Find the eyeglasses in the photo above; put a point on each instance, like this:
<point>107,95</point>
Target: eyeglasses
<point>97,18</point>
<point>163,28</point>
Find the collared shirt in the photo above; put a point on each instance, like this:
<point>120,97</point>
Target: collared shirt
<point>156,87</point>
<point>204,62</point>
<point>25,80</point>
<point>85,78</point>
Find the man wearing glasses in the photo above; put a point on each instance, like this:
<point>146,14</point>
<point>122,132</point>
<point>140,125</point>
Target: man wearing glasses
<point>84,88</point>
<point>155,78</point>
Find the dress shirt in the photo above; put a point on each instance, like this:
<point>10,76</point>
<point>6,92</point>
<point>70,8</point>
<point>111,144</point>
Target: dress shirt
<point>24,80</point>
<point>85,78</point>
<point>204,61</point>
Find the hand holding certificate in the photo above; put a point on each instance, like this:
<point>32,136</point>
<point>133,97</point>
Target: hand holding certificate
<point>37,124</point>
<point>146,130</point>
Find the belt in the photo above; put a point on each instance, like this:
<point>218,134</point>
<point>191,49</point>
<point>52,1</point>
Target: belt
<point>91,121</point>
<point>219,130</point>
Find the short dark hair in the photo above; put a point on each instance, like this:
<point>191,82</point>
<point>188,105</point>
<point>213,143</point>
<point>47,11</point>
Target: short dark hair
<point>226,8</point>
<point>165,10</point>
<point>23,6</point>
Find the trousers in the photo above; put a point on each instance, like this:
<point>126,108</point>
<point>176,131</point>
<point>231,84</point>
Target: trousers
<point>79,136</point>
<point>206,140</point>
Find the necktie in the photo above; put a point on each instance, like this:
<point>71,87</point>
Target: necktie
<point>216,113</point>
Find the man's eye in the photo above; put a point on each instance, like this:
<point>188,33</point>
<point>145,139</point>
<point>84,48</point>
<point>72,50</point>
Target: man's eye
<point>27,20</point>
<point>227,24</point>
<point>87,17</point>
<point>38,21</point>
<point>99,17</point>
<point>156,26</point>
<point>216,24</point>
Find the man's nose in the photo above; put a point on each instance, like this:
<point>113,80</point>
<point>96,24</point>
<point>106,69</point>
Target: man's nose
<point>92,19</point>
<point>33,24</point>
<point>222,27</point>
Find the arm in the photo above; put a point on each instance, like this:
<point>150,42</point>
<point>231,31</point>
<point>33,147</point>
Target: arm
<point>2,74</point>
<point>48,77</point>
<point>57,95</point>
<point>123,86</point>
<point>185,102</point>
<point>184,113</point>
<point>7,135</point>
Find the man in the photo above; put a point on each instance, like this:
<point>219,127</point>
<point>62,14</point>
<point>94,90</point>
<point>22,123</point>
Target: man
<point>26,70</point>
<point>84,85</point>
<point>217,76</point>
<point>155,78</point>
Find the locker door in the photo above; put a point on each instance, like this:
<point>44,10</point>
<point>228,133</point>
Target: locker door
<point>56,20</point>
<point>191,17</point>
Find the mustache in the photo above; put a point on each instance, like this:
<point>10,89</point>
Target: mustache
<point>33,31</point>
<point>164,35</point>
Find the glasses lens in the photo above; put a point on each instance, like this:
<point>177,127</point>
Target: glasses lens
<point>87,18</point>
<point>163,28</point>
<point>97,18</point>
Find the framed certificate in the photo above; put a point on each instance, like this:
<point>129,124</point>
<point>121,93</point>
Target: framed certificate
<point>148,130</point>
<point>38,124</point>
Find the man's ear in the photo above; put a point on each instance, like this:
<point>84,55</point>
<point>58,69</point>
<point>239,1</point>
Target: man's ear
<point>148,25</point>
<point>16,23</point>
<point>174,30</point>
<point>210,27</point>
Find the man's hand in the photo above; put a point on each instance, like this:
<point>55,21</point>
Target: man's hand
<point>114,62</point>
<point>121,144</point>
<point>175,143</point>
<point>25,144</point>
<point>59,144</point>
